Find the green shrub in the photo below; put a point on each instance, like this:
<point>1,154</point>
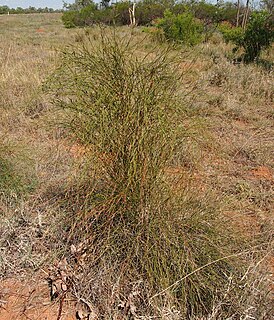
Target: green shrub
<point>130,106</point>
<point>230,33</point>
<point>70,19</point>
<point>156,34</point>
<point>146,13</point>
<point>258,35</point>
<point>4,9</point>
<point>121,13</point>
<point>227,12</point>
<point>89,15</point>
<point>182,28</point>
<point>86,16</point>
<point>205,11</point>
<point>143,235</point>
<point>106,16</point>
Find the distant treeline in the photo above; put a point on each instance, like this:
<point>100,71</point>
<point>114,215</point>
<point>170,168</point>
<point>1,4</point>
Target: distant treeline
<point>87,12</point>
<point>19,10</point>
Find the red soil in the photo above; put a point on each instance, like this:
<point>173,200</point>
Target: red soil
<point>20,300</point>
<point>263,173</point>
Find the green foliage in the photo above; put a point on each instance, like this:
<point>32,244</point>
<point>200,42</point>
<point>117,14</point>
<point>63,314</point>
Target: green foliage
<point>91,14</point>
<point>125,109</point>
<point>77,5</point>
<point>258,36</point>
<point>70,19</point>
<point>205,11</point>
<point>227,11</point>
<point>19,10</point>
<point>208,12</point>
<point>121,13</point>
<point>4,9</point>
<point>126,115</point>
<point>268,5</point>
<point>86,16</point>
<point>182,28</point>
<point>146,13</point>
<point>231,33</point>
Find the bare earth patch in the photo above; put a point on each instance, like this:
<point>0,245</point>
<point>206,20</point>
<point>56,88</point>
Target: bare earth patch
<point>263,172</point>
<point>30,300</point>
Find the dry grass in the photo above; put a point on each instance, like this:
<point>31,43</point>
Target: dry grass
<point>227,156</point>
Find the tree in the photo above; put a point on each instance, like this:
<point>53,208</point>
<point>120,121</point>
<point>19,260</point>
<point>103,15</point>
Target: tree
<point>78,4</point>
<point>4,9</point>
<point>105,3</point>
<point>268,5</point>
<point>238,13</point>
<point>259,35</point>
<point>245,14</point>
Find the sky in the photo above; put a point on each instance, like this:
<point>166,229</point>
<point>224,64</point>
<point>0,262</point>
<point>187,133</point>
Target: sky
<point>56,4</point>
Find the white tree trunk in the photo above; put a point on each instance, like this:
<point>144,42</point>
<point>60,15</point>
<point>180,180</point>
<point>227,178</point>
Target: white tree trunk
<point>132,15</point>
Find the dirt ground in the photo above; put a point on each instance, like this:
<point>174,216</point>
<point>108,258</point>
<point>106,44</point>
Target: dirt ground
<point>30,300</point>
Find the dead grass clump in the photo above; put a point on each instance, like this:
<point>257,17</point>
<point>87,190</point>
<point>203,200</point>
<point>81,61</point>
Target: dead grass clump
<point>137,248</point>
<point>245,79</point>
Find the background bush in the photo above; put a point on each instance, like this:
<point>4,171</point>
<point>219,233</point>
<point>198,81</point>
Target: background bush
<point>182,28</point>
<point>86,16</point>
<point>121,13</point>
<point>230,33</point>
<point>6,10</point>
<point>70,19</point>
<point>258,35</point>
<point>149,10</point>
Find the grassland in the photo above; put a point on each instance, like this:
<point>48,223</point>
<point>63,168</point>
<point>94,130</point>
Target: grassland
<point>225,166</point>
